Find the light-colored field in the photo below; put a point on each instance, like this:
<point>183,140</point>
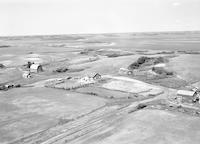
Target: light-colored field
<point>149,127</point>
<point>187,66</point>
<point>133,86</point>
<point>83,59</point>
<point>29,110</point>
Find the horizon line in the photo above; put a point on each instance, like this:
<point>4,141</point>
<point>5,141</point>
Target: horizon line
<point>35,35</point>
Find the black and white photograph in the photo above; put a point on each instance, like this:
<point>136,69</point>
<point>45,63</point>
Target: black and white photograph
<point>99,71</point>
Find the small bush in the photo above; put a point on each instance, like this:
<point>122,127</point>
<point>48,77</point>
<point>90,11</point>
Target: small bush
<point>139,62</point>
<point>142,60</point>
<point>17,85</point>
<point>134,65</point>
<point>92,93</point>
<point>113,55</point>
<point>146,61</point>
<point>4,46</point>
<point>86,51</point>
<point>141,106</point>
<point>61,70</point>
<point>2,66</point>
<point>162,71</point>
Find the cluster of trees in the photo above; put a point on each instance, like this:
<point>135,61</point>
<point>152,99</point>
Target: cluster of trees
<point>9,86</point>
<point>146,60</point>
<point>61,70</point>
<point>162,71</point>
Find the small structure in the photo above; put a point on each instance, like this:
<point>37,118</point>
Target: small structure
<point>36,68</point>
<point>125,71</point>
<point>186,93</point>
<point>26,74</point>
<point>97,76</point>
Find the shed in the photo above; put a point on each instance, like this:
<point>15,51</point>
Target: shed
<point>35,68</point>
<point>186,93</point>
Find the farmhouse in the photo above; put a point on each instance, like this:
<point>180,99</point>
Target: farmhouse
<point>35,68</point>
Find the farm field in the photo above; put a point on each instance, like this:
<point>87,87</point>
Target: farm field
<point>100,88</point>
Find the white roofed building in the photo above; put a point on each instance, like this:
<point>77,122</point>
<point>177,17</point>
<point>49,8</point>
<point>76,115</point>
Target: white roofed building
<point>36,68</point>
<point>186,93</point>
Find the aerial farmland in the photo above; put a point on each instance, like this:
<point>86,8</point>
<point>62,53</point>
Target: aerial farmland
<point>100,88</point>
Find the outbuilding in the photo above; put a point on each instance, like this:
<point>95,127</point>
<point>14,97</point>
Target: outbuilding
<point>97,76</point>
<point>186,93</point>
<point>36,68</point>
<point>26,74</point>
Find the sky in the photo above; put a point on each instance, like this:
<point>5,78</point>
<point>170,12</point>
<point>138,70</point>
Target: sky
<point>43,17</point>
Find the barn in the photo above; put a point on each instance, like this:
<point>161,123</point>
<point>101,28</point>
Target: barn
<point>186,93</point>
<point>36,68</point>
